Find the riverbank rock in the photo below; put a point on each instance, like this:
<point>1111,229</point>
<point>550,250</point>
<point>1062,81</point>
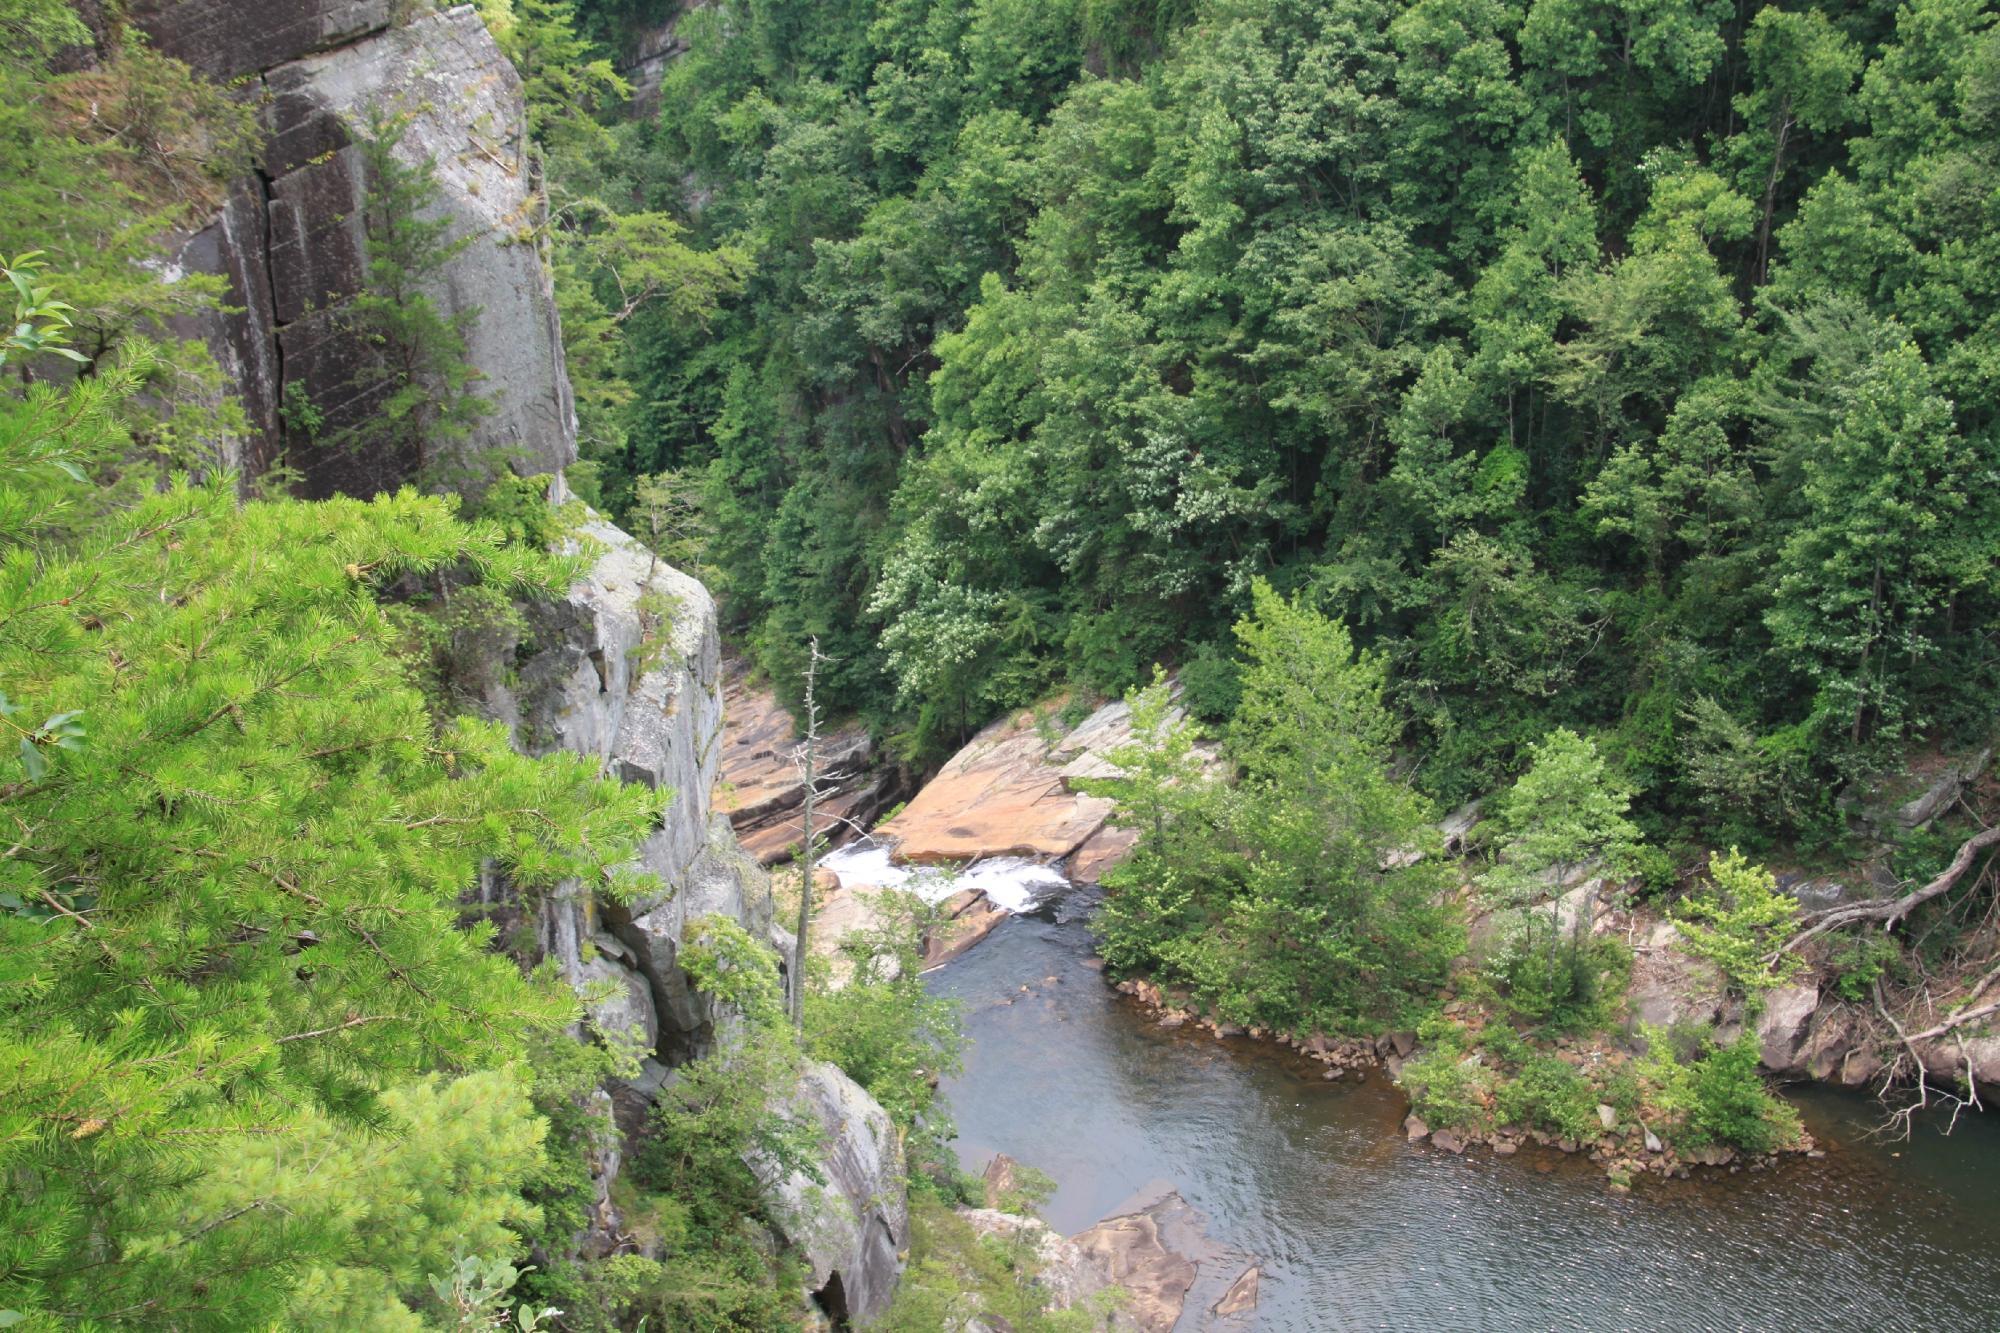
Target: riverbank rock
<point>851,1229</point>
<point>762,787</point>
<point>1141,1251</point>
<point>1241,1298</point>
<point>1785,1024</point>
<point>965,918</point>
<point>1011,792</point>
<point>1100,852</point>
<point>1062,1270</point>
<point>1002,795</point>
<point>1668,986</point>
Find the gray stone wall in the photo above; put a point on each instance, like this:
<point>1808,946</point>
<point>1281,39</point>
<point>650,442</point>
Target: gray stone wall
<point>289,238</point>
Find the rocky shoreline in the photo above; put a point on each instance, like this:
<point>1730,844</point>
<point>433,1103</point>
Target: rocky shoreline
<point>1626,1149</point>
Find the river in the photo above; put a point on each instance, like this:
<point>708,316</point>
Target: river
<point>1357,1229</point>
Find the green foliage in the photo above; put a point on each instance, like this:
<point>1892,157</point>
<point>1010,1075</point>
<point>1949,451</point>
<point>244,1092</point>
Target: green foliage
<point>1719,1097</point>
<point>954,1269</point>
<point>416,381</point>
<point>887,1032</point>
<point>250,869</point>
<point>720,1121</point>
<point>1300,898</point>
<point>1570,985</point>
<point>1564,818</point>
<point>1855,960</point>
<point>1740,922</point>
<point>1543,346</point>
<point>435,1190</point>
<point>1550,1095</point>
<point>1449,1087</point>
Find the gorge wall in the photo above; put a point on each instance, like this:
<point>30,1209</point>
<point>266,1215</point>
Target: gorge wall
<point>289,238</point>
<point>626,668</point>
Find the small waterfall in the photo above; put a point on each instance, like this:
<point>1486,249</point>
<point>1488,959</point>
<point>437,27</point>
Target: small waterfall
<point>1012,883</point>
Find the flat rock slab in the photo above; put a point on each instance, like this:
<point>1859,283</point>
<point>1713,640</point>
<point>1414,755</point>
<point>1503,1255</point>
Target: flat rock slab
<point>1145,1252</point>
<point>1012,792</point>
<point>1002,795</point>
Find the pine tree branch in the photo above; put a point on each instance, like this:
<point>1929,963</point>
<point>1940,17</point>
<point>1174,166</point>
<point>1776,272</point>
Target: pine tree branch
<point>342,1027</point>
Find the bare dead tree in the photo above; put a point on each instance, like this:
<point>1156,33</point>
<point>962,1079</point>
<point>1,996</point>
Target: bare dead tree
<point>809,759</point>
<point>1908,1065</point>
<point>1888,912</point>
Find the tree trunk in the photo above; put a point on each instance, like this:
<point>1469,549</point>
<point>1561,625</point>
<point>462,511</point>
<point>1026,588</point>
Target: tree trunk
<point>1771,194</point>
<point>810,760</point>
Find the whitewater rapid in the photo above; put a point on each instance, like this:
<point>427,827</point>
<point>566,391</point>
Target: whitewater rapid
<point>1012,883</point>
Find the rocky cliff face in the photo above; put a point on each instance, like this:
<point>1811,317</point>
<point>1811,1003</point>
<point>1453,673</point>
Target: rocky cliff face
<point>627,667</point>
<point>629,671</point>
<point>289,238</point>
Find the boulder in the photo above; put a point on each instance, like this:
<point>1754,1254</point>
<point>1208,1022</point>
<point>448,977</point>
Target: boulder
<point>1454,827</point>
<point>1588,897</point>
<point>999,1180</point>
<point>1943,788</point>
<point>626,1013</point>
<point>1607,1116</point>
<point>1241,1298</point>
<point>852,1229</point>
<point>968,917</point>
<point>1785,1025</point>
<point>227,40</point>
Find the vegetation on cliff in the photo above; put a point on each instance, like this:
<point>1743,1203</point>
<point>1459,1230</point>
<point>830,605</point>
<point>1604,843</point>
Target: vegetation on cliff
<point>259,1063</point>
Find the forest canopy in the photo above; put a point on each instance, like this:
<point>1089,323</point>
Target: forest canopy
<point>1625,368</point>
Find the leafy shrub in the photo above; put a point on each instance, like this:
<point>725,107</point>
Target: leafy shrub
<point>886,1030</point>
<point>1855,960</point>
<point>1548,1094</point>
<point>1737,920</point>
<point>1211,683</point>
<point>1567,989</point>
<point>954,1271</point>
<point>1447,1086</point>
<point>1719,1097</point>
<point>1732,1103</point>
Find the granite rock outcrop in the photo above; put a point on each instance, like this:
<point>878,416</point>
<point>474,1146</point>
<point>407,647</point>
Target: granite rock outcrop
<point>289,238</point>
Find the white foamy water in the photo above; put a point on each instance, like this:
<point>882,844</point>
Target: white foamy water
<point>1012,883</point>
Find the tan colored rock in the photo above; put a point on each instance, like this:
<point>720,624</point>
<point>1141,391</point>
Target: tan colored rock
<point>1785,1026</point>
<point>1133,1251</point>
<point>1241,1298</point>
<point>1002,795</point>
<point>999,1180</point>
<point>762,788</point>
<point>1100,852</point>
<point>1012,792</point>
<point>961,927</point>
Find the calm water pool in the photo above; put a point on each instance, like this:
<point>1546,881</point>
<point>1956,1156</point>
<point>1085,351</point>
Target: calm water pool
<point>1358,1229</point>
